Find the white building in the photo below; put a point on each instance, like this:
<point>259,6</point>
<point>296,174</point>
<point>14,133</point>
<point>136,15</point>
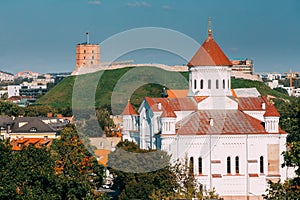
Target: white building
<point>231,137</point>
<point>5,76</point>
<point>13,90</point>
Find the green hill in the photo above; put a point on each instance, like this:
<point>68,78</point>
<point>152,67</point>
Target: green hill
<point>60,96</point>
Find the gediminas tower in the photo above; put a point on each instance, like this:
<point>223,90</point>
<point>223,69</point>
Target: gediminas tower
<point>87,54</point>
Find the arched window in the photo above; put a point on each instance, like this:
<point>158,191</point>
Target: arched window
<point>217,84</point>
<point>228,165</point>
<point>191,165</point>
<point>92,62</point>
<point>195,84</point>
<point>200,165</point>
<point>201,84</point>
<point>261,164</point>
<point>92,51</point>
<point>84,51</point>
<point>224,84</point>
<point>92,57</point>
<point>237,163</point>
<point>209,84</point>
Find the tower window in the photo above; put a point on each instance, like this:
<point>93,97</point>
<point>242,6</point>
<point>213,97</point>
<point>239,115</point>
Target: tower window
<point>261,164</point>
<point>200,165</point>
<point>84,57</point>
<point>92,62</point>
<point>217,84</point>
<point>209,84</point>
<point>195,84</point>
<point>223,84</point>
<point>191,165</point>
<point>201,84</point>
<point>84,51</point>
<point>92,51</point>
<point>228,165</point>
<point>93,57</point>
<point>237,163</point>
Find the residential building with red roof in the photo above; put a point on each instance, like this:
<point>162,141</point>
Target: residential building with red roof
<point>231,137</point>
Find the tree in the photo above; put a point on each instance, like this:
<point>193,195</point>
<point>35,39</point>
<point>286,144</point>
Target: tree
<point>290,189</point>
<point>78,171</point>
<point>27,174</point>
<point>145,183</point>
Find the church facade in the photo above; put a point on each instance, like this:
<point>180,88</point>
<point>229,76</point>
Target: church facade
<point>231,137</point>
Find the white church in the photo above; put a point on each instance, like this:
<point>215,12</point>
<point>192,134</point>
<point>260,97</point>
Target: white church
<point>231,137</point>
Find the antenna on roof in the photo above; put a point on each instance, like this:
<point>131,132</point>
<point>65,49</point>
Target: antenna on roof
<point>209,26</point>
<point>87,38</point>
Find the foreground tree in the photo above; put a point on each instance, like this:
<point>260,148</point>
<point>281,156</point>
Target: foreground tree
<point>290,189</point>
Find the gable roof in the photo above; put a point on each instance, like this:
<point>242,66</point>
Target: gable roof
<point>174,104</point>
<point>129,110</point>
<point>225,122</point>
<point>209,54</point>
<point>36,123</point>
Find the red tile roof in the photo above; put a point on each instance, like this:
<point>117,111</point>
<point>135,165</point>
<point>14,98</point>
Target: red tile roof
<point>174,104</point>
<point>129,110</point>
<point>177,93</point>
<point>18,144</point>
<point>250,103</point>
<point>167,113</point>
<point>270,109</point>
<point>224,122</point>
<point>209,54</point>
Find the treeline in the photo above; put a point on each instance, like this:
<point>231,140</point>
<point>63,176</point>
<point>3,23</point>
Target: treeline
<point>65,170</point>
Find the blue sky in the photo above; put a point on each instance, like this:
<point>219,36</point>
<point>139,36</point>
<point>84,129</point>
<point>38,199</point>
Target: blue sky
<point>40,35</point>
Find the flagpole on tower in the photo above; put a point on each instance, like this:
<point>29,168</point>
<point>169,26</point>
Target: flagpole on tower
<point>87,38</point>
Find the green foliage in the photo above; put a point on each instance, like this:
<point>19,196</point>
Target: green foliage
<point>288,190</point>
<point>10,109</point>
<point>290,118</point>
<point>65,171</point>
<point>143,185</point>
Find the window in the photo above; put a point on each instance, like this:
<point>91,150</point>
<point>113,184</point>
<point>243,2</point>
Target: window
<point>209,84</point>
<point>83,57</point>
<point>92,62</point>
<point>195,84</point>
<point>228,165</point>
<point>33,129</point>
<point>201,84</point>
<point>92,51</point>
<point>191,165</point>
<point>111,144</point>
<point>101,144</point>
<point>237,167</point>
<point>223,84</point>
<point>200,165</point>
<point>84,51</point>
<point>92,57</point>
<point>217,84</point>
<point>261,164</point>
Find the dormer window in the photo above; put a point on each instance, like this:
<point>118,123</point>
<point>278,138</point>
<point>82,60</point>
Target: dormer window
<point>33,129</point>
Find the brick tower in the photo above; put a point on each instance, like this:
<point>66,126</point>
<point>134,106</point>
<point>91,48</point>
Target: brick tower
<point>87,54</point>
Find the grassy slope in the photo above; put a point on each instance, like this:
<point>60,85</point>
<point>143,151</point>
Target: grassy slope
<point>61,95</point>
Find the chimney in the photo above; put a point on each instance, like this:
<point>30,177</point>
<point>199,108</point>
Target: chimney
<point>263,106</point>
<point>211,121</point>
<point>159,106</point>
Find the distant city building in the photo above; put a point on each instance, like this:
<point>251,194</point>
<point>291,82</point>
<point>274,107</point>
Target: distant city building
<point>26,89</point>
<point>27,74</point>
<point>13,90</point>
<point>87,54</point>
<point>243,65</point>
<point>5,76</point>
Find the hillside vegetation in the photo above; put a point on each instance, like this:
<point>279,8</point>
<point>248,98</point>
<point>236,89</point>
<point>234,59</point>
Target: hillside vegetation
<point>61,95</point>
